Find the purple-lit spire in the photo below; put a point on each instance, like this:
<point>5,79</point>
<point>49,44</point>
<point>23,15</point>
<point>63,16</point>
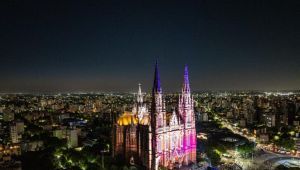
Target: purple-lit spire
<point>186,83</point>
<point>156,83</point>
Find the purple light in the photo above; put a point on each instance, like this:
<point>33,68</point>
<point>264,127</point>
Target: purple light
<point>186,84</point>
<point>156,85</point>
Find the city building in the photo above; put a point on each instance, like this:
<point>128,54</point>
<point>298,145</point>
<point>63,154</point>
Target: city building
<point>263,138</point>
<point>158,139</point>
<point>19,126</point>
<point>8,115</point>
<point>271,120</point>
<point>16,132</point>
<point>72,138</point>
<point>71,134</point>
<point>242,123</point>
<point>59,133</point>
<point>204,117</point>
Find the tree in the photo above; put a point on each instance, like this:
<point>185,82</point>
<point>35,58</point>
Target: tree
<point>214,157</point>
<point>246,148</point>
<point>285,142</point>
<point>288,144</point>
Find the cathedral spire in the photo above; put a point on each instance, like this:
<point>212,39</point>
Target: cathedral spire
<point>186,83</point>
<point>140,89</point>
<point>156,83</point>
<point>140,95</point>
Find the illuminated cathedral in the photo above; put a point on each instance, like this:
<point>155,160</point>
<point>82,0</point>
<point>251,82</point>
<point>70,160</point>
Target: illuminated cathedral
<point>154,138</point>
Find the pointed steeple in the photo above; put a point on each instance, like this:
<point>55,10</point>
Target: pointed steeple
<point>186,83</point>
<point>174,120</point>
<point>156,83</point>
<point>140,89</point>
<point>140,95</point>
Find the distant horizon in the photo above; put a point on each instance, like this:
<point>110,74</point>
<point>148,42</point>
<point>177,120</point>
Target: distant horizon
<point>148,92</point>
<point>112,46</point>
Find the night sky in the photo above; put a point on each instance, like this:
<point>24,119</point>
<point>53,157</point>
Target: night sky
<point>56,46</point>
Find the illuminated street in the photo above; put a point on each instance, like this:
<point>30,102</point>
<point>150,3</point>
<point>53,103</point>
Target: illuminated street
<point>267,160</point>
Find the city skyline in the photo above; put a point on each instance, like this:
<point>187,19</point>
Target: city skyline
<point>112,46</point>
<point>149,85</point>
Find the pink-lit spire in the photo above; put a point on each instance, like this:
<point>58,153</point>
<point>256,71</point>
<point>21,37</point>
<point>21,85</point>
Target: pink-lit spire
<point>186,83</point>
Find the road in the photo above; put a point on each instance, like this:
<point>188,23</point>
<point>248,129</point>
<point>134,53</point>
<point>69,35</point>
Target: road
<point>265,159</point>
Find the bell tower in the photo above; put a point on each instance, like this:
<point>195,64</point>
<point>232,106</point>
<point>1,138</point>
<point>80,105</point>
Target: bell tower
<point>186,112</point>
<point>158,121</point>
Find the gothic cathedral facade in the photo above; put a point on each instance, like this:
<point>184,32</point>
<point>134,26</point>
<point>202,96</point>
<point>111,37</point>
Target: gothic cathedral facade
<point>156,138</point>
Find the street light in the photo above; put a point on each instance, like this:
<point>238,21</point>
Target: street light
<point>102,152</point>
